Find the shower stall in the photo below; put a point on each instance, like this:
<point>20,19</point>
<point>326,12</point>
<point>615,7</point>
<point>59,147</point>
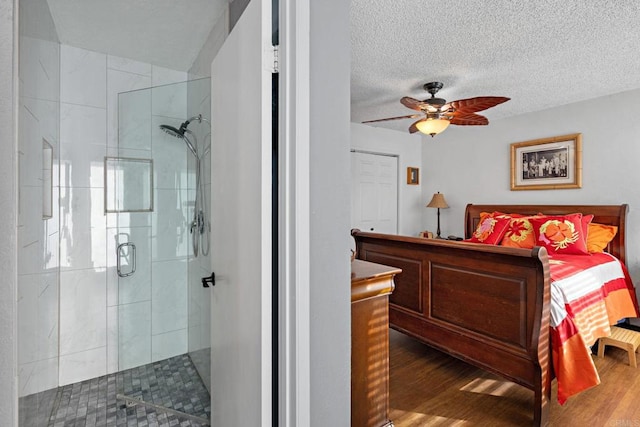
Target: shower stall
<point>114,231</point>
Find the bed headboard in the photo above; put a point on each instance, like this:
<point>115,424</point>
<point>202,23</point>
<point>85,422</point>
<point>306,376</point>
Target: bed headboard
<point>603,214</point>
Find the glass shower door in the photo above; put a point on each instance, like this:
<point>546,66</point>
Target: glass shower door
<point>151,206</point>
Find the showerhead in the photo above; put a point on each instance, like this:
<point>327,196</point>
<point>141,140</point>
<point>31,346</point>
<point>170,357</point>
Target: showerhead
<point>180,133</point>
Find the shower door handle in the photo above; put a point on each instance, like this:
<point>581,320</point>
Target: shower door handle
<point>130,255</point>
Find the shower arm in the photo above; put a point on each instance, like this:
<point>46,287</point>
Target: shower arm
<point>199,118</point>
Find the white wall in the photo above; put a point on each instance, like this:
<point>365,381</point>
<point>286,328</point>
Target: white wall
<point>408,148</point>
<point>329,194</point>
<point>471,164</point>
<point>8,249</point>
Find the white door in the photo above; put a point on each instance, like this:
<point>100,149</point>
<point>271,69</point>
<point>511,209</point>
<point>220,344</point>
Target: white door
<point>241,223</point>
<point>374,192</point>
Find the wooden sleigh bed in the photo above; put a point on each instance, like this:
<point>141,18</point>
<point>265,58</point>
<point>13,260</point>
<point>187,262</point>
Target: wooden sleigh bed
<point>487,305</point>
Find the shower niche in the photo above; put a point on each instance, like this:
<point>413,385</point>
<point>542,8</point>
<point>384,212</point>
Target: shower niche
<point>128,185</point>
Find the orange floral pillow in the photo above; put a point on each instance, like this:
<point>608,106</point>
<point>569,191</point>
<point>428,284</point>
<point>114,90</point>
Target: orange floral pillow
<point>490,230</point>
<point>599,236</point>
<point>519,233</point>
<point>560,234</point>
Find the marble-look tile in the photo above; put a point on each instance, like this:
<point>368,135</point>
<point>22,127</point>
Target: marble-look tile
<point>37,238</point>
<point>82,124</point>
<point>134,325</point>
<point>82,366</point>
<point>129,65</point>
<point>37,317</point>
<point>112,339</point>
<point>170,101</point>
<point>169,296</point>
<point>83,316</point>
<point>164,76</point>
<point>83,228</point>
<point>168,344</point>
<point>37,376</point>
<point>171,237</point>
<point>82,145</point>
<point>129,112</point>
<point>83,77</point>
<point>30,215</point>
<point>169,157</point>
<point>39,68</point>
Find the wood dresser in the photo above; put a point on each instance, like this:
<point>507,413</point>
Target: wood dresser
<point>371,285</point>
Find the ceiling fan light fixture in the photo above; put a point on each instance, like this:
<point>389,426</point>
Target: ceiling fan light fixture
<point>433,126</point>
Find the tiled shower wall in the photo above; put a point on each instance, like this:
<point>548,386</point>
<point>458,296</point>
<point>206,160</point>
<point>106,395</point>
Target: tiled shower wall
<point>105,323</point>
<point>109,323</point>
<point>38,236</point>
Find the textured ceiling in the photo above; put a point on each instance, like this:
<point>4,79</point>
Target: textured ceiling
<point>541,53</point>
<point>168,33</point>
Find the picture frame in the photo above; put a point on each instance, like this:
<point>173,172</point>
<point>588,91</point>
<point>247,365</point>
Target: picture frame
<point>413,176</point>
<point>547,164</point>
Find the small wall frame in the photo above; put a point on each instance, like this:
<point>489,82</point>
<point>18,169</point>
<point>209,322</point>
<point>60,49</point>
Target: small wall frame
<point>547,164</point>
<point>413,176</point>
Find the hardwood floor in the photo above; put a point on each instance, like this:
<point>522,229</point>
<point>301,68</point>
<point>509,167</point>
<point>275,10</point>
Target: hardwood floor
<point>429,388</point>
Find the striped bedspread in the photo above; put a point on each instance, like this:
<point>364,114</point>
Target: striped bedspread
<point>588,294</point>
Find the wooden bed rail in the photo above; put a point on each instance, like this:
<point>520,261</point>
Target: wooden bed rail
<point>487,305</point>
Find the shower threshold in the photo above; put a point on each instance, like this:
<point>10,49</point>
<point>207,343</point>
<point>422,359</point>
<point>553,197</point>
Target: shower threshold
<point>133,401</point>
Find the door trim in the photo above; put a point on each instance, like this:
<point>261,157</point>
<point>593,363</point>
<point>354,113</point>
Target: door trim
<point>294,214</point>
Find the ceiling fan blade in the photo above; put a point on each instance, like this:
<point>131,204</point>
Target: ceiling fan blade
<point>413,103</point>
<point>479,103</point>
<point>468,119</point>
<point>413,128</point>
<point>410,116</point>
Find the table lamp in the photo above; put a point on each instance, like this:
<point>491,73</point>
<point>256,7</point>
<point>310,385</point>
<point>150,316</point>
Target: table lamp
<point>437,201</point>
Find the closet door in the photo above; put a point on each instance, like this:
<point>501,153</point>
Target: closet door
<point>374,192</point>
<point>241,238</point>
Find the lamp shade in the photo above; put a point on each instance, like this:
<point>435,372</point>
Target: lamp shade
<point>438,201</point>
<point>432,126</point>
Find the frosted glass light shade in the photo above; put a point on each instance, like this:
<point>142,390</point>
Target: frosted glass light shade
<point>432,126</point>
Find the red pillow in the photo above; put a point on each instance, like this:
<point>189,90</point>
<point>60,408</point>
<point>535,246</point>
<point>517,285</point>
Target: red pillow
<point>490,230</point>
<point>561,234</point>
<point>519,233</point>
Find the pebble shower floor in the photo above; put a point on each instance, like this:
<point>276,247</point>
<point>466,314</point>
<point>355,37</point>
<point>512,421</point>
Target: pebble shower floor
<point>172,383</point>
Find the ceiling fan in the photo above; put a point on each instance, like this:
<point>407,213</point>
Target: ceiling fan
<point>436,114</point>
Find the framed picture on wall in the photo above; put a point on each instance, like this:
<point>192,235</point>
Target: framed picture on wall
<point>547,164</point>
<point>413,176</point>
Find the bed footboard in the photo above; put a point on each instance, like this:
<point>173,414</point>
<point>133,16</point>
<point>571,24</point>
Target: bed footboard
<point>486,305</point>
